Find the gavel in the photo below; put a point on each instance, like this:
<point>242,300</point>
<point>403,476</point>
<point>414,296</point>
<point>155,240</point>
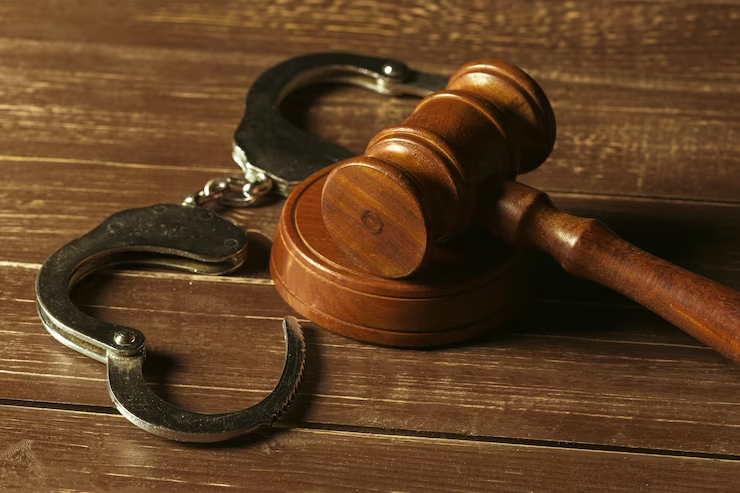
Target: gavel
<point>448,168</point>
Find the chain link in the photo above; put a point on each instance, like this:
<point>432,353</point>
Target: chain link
<point>233,192</point>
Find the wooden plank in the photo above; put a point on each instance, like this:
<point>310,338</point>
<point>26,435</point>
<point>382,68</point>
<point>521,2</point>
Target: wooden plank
<point>579,374</point>
<point>51,212</point>
<point>76,196</point>
<point>571,33</point>
<point>655,119</point>
<point>80,451</point>
<point>104,107</point>
<point>152,106</point>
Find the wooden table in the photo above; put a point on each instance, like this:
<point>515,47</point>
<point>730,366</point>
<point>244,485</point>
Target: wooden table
<point>112,105</point>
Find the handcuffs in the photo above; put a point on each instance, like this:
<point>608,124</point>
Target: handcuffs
<point>274,155</point>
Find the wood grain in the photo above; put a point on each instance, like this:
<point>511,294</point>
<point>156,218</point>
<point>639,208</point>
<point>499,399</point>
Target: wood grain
<point>476,288</point>
<point>417,183</point>
<point>446,168</point>
<point>51,212</point>
<point>535,382</point>
<point>105,106</point>
<point>109,455</point>
<point>645,92</point>
<point>586,248</point>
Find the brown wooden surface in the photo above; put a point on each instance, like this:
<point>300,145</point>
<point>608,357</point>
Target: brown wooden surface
<point>419,182</point>
<point>478,286</point>
<point>105,106</point>
<point>447,168</point>
<point>586,248</point>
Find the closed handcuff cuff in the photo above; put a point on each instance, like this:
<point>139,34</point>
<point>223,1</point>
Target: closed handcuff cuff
<point>274,155</point>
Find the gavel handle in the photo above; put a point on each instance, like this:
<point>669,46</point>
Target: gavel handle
<point>525,217</point>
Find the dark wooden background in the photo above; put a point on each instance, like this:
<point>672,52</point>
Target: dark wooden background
<point>110,105</point>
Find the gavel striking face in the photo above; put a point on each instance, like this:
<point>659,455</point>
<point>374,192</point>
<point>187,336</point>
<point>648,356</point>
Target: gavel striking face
<point>448,166</point>
<point>418,182</point>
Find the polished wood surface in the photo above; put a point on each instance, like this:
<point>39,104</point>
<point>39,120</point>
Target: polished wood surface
<point>386,210</point>
<point>525,217</point>
<point>109,106</point>
<point>418,181</point>
<point>451,161</point>
<point>472,288</point>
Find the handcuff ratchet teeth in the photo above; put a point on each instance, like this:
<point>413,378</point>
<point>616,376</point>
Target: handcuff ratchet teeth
<point>193,239</point>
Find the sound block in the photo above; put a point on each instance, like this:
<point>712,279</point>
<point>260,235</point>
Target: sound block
<point>473,286</point>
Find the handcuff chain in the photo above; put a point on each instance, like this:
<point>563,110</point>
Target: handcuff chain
<point>233,191</point>
<point>262,124</point>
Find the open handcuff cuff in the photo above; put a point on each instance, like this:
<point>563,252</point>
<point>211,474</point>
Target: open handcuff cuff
<point>274,155</point>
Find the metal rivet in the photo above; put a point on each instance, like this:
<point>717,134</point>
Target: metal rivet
<point>124,338</point>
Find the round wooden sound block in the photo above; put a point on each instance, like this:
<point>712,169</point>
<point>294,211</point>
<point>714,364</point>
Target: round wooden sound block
<point>473,286</point>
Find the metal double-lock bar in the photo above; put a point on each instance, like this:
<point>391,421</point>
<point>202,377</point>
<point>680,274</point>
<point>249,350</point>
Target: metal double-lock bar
<point>273,155</point>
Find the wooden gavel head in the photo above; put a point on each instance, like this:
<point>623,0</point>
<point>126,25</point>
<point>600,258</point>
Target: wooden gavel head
<point>418,182</point>
<point>419,185</point>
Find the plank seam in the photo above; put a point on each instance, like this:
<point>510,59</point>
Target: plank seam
<point>401,433</point>
<point>554,444</point>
